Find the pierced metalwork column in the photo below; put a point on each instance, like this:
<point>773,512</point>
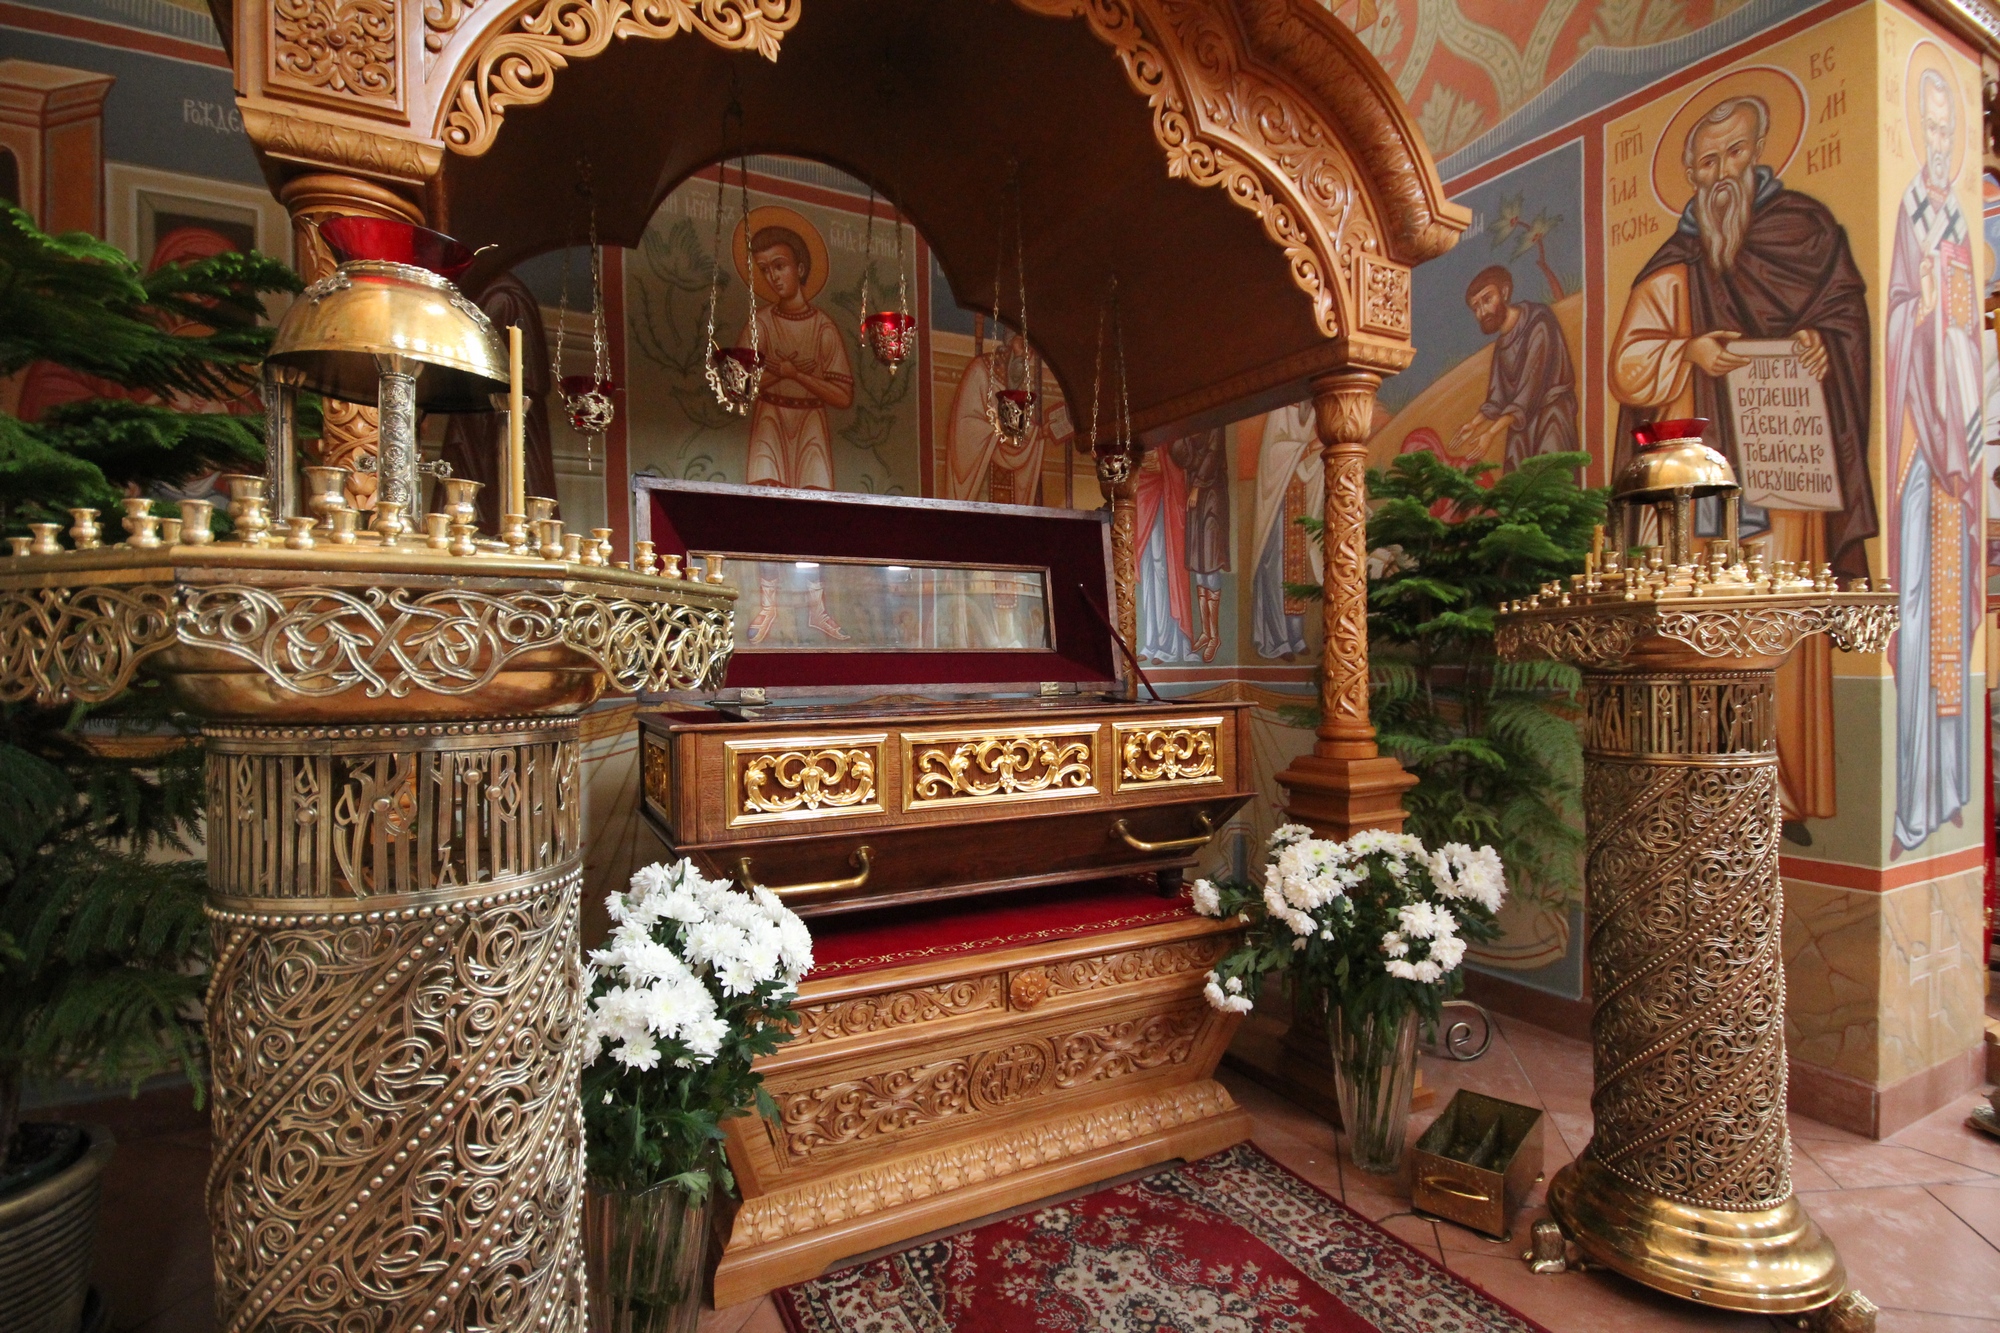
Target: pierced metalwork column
<point>397,1000</point>
<point>1686,1185</point>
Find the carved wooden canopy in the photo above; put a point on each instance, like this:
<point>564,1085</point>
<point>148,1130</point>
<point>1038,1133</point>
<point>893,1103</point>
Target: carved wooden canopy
<point>1296,262</point>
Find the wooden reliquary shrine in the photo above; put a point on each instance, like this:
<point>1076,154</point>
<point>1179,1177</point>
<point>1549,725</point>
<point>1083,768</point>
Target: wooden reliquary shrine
<point>924,747</point>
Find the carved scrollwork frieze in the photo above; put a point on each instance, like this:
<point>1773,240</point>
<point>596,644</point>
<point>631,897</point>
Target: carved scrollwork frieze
<point>385,642</point>
<point>868,1189</point>
<point>516,65</point>
<point>894,1009</point>
<point>960,768</point>
<point>1167,754</point>
<point>1599,637</point>
<point>1730,714</point>
<point>804,778</point>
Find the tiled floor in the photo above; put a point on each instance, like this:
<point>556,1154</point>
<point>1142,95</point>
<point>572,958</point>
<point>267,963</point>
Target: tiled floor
<point>1916,1217</point>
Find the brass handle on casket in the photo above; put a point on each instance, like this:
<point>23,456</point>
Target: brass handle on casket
<point>862,858</point>
<point>1123,833</point>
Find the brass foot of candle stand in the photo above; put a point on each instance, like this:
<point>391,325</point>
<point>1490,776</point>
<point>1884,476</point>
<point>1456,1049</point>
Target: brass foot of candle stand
<point>1686,1184</point>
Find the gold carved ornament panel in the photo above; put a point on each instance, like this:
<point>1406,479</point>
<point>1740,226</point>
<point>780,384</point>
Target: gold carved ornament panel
<point>340,52</point>
<point>804,777</point>
<point>978,767</point>
<point>656,775</point>
<point>812,1121</point>
<point>1179,752</point>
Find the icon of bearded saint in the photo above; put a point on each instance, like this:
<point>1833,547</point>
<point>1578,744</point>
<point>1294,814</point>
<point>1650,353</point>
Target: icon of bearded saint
<point>1751,259</point>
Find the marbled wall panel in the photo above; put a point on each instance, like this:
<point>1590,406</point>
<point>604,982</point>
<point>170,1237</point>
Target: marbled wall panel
<point>1833,966</point>
<point>1931,998</point>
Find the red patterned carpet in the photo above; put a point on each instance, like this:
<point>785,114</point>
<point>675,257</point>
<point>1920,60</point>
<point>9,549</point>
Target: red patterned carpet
<point>1233,1243</point>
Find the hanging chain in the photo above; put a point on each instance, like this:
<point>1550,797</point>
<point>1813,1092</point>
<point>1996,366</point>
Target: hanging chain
<point>749,258</point>
<point>715,264</point>
<point>1097,375</point>
<point>868,254</point>
<point>902,269</point>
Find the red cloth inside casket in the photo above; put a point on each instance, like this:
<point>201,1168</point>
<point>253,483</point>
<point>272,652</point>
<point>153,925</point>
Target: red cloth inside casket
<point>771,522</point>
<point>892,937</point>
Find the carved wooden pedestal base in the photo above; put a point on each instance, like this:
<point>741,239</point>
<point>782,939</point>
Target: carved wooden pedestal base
<point>921,1096</point>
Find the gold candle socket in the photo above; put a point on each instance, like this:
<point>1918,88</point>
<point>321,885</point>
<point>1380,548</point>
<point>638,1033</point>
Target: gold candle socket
<point>84,533</point>
<point>572,547</point>
<point>390,522</point>
<point>602,539</point>
<point>670,566</point>
<point>196,515</point>
<point>461,499</point>
<point>301,535</point>
<point>551,534</point>
<point>246,508</point>
<point>593,551</point>
<point>170,531</point>
<point>326,490</point>
<point>44,542</point>
<point>464,539</point>
<point>514,532</point>
<point>642,557</point>
<point>715,574</point>
<point>437,531</point>
<point>539,508</point>
<point>142,529</point>
<point>343,521</point>
<point>22,545</point>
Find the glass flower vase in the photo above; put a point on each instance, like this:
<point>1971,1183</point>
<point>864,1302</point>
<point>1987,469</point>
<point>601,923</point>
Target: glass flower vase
<point>645,1251</point>
<point>1374,1072</point>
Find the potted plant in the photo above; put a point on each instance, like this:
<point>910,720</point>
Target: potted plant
<point>1378,926</point>
<point>100,903</point>
<point>696,982</point>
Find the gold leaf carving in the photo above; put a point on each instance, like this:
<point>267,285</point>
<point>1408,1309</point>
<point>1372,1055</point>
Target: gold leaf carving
<point>1034,762</point>
<point>318,143</point>
<point>1130,965</point>
<point>346,47</point>
<point>516,66</point>
<point>1166,755</point>
<point>813,777</point>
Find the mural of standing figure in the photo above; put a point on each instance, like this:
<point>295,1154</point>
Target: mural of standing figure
<point>1751,259</point>
<point>1291,484</point>
<point>1531,388</point>
<point>1935,418</point>
<point>979,463</point>
<point>1166,616</point>
<point>806,373</point>
<point>1204,461</point>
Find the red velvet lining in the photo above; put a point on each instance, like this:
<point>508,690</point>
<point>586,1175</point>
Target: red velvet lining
<point>760,521</point>
<point>893,936</point>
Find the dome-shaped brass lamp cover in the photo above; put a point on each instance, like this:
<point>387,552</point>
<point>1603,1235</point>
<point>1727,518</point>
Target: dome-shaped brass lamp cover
<point>1672,461</point>
<point>371,308</point>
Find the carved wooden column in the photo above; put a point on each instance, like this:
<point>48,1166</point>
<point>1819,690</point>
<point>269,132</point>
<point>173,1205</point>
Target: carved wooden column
<point>1114,478</point>
<point>350,430</point>
<point>1345,785</point>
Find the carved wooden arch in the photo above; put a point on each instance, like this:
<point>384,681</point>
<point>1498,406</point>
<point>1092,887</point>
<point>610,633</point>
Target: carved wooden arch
<point>1273,101</point>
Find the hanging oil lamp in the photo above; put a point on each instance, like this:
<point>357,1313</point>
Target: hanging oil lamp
<point>1011,410</point>
<point>734,373</point>
<point>890,335</point>
<point>1114,458</point>
<point>587,398</point>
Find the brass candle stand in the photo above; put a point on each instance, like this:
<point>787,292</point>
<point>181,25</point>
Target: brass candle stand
<point>395,852</point>
<point>1686,1184</point>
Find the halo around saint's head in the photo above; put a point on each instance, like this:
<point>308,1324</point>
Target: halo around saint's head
<point>774,215</point>
<point>1928,55</point>
<point>1783,98</point>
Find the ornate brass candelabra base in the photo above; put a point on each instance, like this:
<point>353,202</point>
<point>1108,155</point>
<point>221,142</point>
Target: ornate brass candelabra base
<point>394,1017</point>
<point>1773,1260</point>
<point>1686,1185</point>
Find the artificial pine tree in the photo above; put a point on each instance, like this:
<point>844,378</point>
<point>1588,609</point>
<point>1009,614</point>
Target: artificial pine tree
<point>102,941</point>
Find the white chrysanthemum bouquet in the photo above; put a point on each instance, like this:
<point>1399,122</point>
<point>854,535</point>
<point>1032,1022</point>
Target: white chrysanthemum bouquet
<point>695,982</point>
<point>1378,924</point>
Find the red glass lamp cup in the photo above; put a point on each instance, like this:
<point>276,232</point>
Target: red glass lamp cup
<point>891,336</point>
<point>352,237</point>
<point>1013,410</point>
<point>1654,433</point>
<point>589,402</point>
